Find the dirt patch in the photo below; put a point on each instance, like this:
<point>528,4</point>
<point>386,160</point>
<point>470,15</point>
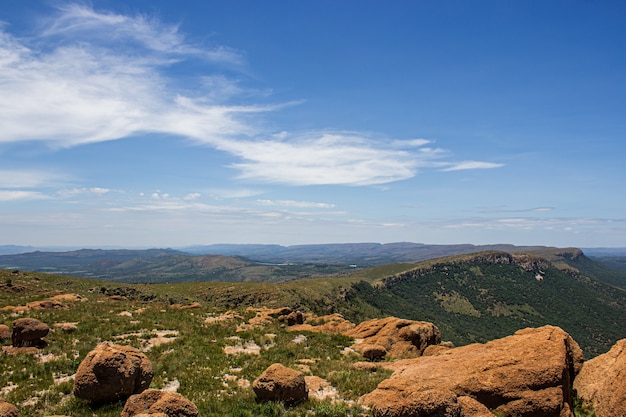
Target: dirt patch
<point>320,389</point>
<point>150,339</point>
<point>61,378</point>
<point>7,389</point>
<point>171,386</point>
<point>249,348</point>
<point>228,316</point>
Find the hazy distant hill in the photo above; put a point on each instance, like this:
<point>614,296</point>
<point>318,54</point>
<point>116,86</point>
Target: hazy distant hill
<point>362,254</point>
<point>273,262</point>
<point>162,265</point>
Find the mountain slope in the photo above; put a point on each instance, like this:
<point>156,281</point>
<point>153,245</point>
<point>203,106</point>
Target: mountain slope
<point>162,265</point>
<point>480,297</point>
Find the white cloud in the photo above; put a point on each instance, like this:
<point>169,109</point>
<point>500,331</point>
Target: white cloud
<point>325,158</point>
<point>78,20</point>
<point>192,196</point>
<point>411,143</point>
<point>83,190</point>
<point>26,178</point>
<point>13,195</point>
<point>232,193</point>
<point>295,204</point>
<point>465,165</point>
<point>70,86</point>
<point>90,76</point>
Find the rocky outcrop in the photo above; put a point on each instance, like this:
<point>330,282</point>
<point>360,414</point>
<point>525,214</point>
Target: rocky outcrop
<point>332,323</point>
<point>111,373</point>
<point>29,332</point>
<point>602,381</point>
<point>153,402</point>
<point>293,318</point>
<point>527,374</point>
<point>399,337</point>
<point>279,383</point>
<point>8,409</point>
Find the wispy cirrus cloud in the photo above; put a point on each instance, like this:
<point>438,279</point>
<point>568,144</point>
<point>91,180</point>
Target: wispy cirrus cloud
<point>83,190</point>
<point>466,165</point>
<point>295,204</point>
<point>24,178</point>
<point>14,195</point>
<point>89,76</point>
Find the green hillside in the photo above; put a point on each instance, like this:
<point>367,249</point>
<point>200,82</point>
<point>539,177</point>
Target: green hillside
<point>482,297</point>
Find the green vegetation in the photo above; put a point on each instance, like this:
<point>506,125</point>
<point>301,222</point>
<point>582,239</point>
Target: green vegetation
<point>469,298</point>
<point>194,357</point>
<point>472,300</point>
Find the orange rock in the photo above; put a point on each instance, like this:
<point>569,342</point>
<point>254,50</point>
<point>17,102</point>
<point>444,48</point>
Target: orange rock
<point>5,332</point>
<point>602,382</point>
<point>372,352</point>
<point>29,332</point>
<point>153,402</point>
<point>400,337</point>
<point>527,374</point>
<point>8,410</point>
<point>333,323</point>
<point>111,373</point>
<point>279,383</point>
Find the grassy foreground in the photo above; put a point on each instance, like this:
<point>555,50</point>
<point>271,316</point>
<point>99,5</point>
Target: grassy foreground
<point>186,351</point>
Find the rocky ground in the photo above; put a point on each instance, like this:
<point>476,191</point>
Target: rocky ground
<point>77,351</point>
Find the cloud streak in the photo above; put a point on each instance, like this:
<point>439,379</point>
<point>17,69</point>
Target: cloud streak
<point>295,204</point>
<point>90,76</point>
<point>14,195</point>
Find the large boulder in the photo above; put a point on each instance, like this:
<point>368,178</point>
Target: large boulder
<point>29,332</point>
<point>153,402</point>
<point>111,373</point>
<point>279,383</point>
<point>8,409</point>
<point>602,381</point>
<point>398,336</point>
<point>527,374</point>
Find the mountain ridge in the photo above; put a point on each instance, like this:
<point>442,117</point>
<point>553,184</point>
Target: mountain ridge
<point>247,262</point>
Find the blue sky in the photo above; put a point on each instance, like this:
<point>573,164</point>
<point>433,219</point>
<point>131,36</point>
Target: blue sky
<point>159,123</point>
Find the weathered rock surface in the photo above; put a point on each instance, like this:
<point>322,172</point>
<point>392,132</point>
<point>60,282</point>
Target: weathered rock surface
<point>332,323</point>
<point>602,381</point>
<point>279,383</point>
<point>111,373</point>
<point>5,332</point>
<point>66,327</point>
<point>399,337</point>
<point>8,409</point>
<point>527,374</point>
<point>156,403</point>
<point>372,352</point>
<point>29,332</point>
<point>293,318</point>
<point>433,350</point>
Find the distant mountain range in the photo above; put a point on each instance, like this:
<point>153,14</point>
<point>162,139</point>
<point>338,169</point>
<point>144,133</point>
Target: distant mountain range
<point>227,262</point>
<point>471,293</point>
